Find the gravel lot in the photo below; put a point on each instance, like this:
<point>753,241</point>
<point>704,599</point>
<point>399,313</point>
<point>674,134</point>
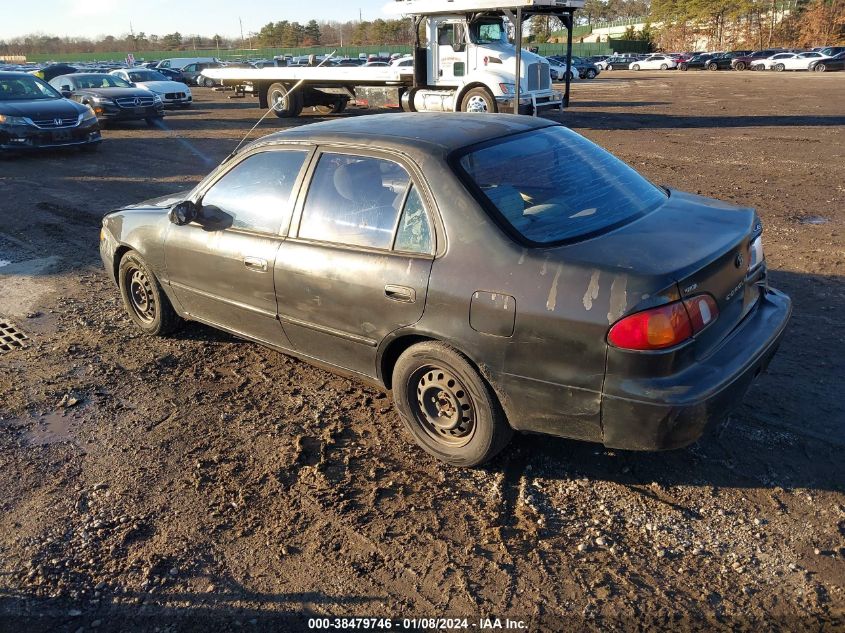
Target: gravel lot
<point>204,483</point>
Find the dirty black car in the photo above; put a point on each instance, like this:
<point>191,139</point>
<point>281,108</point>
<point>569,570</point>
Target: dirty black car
<point>34,116</point>
<point>443,257</point>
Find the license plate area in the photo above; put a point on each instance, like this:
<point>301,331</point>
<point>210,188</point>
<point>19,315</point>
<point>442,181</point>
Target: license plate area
<point>62,135</point>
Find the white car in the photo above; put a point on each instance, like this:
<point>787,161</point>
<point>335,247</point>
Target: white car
<point>171,93</point>
<point>787,61</point>
<point>655,62</point>
<point>558,71</point>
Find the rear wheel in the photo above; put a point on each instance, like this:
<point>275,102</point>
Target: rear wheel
<point>779,67</point>
<point>712,66</point>
<point>591,73</point>
<point>820,68</point>
<point>208,82</point>
<point>285,104</point>
<point>609,67</point>
<point>144,300</point>
<point>448,408</point>
<point>478,100</point>
<point>635,67</point>
<point>664,66</point>
<point>740,66</point>
<point>683,67</point>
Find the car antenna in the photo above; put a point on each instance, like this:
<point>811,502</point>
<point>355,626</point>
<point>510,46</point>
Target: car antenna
<point>273,107</point>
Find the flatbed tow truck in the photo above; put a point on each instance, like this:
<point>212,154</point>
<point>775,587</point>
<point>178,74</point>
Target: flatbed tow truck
<point>463,62</point>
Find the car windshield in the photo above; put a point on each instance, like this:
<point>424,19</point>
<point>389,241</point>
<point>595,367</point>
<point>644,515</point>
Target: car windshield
<point>146,75</point>
<point>100,81</point>
<point>553,185</point>
<point>25,89</point>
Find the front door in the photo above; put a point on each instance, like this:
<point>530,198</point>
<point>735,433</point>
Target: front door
<point>221,266</point>
<point>358,267</point>
<point>451,53</point>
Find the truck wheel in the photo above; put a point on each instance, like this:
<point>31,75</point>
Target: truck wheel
<point>406,100</point>
<point>448,408</point>
<point>479,100</point>
<point>284,105</point>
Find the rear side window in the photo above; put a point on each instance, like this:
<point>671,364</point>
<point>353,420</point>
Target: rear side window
<point>553,185</point>
<point>354,200</point>
<point>256,193</point>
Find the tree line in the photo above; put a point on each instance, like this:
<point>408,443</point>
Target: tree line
<point>724,23</point>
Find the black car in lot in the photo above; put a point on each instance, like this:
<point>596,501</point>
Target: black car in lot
<point>111,98</point>
<point>827,65</point>
<point>173,74</point>
<point>35,116</point>
<point>494,273</point>
<point>697,62</point>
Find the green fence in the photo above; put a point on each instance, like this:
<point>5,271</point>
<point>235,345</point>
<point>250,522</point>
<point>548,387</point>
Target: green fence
<point>268,53</point>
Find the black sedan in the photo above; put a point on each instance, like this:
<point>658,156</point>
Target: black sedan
<point>697,62</point>
<point>111,98</point>
<point>34,116</point>
<point>495,272</point>
<point>828,65</point>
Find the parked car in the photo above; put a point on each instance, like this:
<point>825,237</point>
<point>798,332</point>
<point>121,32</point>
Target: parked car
<point>661,62</point>
<point>585,68</point>
<point>558,70</point>
<point>54,70</point>
<point>171,93</point>
<point>111,98</point>
<point>832,51</point>
<point>776,62</point>
<point>745,62</point>
<point>622,62</point>
<point>828,64</point>
<point>402,62</point>
<point>569,295</point>
<point>33,115</point>
<point>698,62</point>
<point>724,61</point>
<point>181,62</point>
<point>193,74</point>
<point>795,61</point>
<point>172,74</point>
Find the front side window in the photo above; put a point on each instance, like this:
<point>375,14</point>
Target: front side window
<point>354,200</point>
<point>255,195</point>
<point>487,32</point>
<point>553,185</point>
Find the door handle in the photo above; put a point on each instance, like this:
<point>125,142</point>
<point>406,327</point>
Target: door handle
<point>400,293</point>
<point>256,263</point>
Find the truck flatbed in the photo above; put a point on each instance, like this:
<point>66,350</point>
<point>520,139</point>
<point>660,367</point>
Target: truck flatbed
<point>318,76</point>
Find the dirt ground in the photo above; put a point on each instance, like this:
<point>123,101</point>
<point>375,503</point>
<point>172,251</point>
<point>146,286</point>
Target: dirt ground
<point>204,483</point>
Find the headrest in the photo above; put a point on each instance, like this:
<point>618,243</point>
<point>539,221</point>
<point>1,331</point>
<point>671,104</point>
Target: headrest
<point>356,180</point>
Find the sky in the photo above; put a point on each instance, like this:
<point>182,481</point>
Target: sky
<point>90,18</point>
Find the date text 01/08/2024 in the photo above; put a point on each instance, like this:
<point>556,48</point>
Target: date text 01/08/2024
<point>416,624</point>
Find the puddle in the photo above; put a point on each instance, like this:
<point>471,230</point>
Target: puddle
<point>812,219</point>
<point>53,428</point>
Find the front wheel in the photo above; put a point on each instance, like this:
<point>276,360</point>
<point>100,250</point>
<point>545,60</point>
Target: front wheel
<point>740,66</point>
<point>448,408</point>
<point>609,67</point>
<point>779,68</point>
<point>144,300</point>
<point>591,74</point>
<point>479,100</point>
<point>664,66</point>
<point>208,82</point>
<point>635,67</point>
<point>712,66</point>
<point>820,68</point>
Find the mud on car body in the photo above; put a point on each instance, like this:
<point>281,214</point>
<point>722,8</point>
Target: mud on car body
<point>449,258</point>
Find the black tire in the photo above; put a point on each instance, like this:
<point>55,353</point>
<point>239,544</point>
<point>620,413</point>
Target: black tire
<point>683,67</point>
<point>664,66</point>
<point>779,68</point>
<point>479,99</point>
<point>289,106</point>
<point>144,300</point>
<point>591,73</point>
<point>435,387</point>
<point>820,68</point>
<point>740,66</point>
<point>635,67</point>
<point>609,67</point>
<point>712,66</point>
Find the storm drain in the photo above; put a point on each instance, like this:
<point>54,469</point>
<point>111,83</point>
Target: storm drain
<point>10,337</point>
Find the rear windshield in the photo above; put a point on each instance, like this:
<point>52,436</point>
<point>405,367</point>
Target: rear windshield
<point>553,185</point>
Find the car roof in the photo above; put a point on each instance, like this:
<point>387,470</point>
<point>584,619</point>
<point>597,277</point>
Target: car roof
<point>414,134</point>
<point>14,73</point>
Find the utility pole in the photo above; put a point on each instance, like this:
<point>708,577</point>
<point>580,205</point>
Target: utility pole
<point>241,22</point>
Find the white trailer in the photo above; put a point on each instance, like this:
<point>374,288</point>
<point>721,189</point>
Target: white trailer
<point>465,63</point>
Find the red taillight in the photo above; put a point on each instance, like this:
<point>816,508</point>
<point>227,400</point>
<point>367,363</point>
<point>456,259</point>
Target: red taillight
<point>664,326</point>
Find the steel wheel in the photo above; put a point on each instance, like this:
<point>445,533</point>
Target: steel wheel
<point>477,103</point>
<point>443,408</point>
<point>141,296</point>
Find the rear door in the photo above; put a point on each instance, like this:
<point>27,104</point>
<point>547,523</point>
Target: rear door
<point>357,266</point>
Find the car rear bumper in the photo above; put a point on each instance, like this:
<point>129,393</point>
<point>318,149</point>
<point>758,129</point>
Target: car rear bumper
<point>674,411</point>
<point>27,137</point>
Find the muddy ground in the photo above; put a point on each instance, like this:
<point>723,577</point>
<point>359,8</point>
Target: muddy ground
<point>204,483</point>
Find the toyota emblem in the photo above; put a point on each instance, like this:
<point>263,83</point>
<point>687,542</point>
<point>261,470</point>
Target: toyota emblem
<point>137,101</point>
<point>58,122</point>
<point>738,261</point>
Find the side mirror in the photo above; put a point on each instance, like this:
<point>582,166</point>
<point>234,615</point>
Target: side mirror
<point>183,213</point>
<point>67,94</point>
